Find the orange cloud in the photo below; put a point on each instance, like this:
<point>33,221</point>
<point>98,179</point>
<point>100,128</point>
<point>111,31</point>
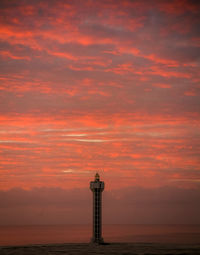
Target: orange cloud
<point>108,85</point>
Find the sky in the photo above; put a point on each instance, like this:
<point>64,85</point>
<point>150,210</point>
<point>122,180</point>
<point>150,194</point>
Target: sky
<point>107,86</point>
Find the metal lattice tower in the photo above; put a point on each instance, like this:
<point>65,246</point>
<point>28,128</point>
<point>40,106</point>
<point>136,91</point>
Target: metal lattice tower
<point>97,187</point>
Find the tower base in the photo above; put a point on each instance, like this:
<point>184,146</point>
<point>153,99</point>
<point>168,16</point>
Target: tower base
<point>97,241</point>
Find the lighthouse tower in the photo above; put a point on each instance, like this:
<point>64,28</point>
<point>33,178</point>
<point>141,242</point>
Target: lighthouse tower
<point>97,187</point>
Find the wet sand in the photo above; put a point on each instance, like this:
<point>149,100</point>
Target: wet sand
<point>110,248</point>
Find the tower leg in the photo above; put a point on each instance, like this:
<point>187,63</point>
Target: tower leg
<point>97,218</point>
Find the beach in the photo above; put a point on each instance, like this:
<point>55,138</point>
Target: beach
<point>107,248</point>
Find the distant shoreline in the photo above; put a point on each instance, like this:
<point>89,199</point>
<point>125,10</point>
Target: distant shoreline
<point>107,248</point>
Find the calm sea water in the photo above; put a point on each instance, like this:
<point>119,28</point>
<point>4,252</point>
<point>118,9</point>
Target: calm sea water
<point>20,235</point>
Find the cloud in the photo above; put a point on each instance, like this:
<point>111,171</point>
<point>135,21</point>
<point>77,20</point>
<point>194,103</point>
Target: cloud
<point>177,8</point>
<point>167,205</point>
<point>101,84</point>
<point>149,152</point>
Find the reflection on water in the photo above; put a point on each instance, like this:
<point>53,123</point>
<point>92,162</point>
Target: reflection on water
<point>17,235</point>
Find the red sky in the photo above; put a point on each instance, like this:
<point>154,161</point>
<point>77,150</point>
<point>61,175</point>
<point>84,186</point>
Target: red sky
<point>99,85</point>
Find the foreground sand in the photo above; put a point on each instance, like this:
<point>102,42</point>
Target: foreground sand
<point>112,248</point>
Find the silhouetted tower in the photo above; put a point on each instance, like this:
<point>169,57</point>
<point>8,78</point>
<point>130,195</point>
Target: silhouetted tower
<point>97,187</point>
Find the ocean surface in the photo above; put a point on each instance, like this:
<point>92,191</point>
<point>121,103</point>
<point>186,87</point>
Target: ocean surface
<point>22,235</point>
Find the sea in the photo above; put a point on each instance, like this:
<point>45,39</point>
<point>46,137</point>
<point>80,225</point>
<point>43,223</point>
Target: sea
<point>55,234</point>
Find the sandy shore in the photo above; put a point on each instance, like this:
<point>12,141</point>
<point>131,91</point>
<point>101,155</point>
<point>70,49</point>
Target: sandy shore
<point>112,248</point>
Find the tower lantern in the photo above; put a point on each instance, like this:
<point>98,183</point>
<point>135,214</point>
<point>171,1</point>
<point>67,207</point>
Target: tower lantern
<point>97,187</point>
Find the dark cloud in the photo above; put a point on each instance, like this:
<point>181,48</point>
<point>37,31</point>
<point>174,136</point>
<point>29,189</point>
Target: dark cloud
<point>167,205</point>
